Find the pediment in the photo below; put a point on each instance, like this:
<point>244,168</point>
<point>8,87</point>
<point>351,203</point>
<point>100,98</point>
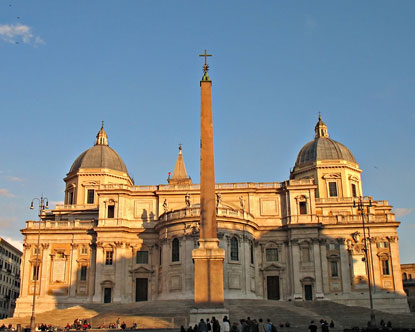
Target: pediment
<point>141,269</point>
<point>273,267</point>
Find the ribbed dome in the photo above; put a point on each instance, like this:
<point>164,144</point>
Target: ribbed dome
<point>323,148</point>
<point>99,156</point>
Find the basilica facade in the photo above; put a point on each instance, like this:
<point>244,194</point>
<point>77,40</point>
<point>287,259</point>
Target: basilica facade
<point>298,240</point>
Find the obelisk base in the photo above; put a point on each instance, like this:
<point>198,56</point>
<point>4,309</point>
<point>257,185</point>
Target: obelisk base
<point>209,292</point>
<point>208,259</point>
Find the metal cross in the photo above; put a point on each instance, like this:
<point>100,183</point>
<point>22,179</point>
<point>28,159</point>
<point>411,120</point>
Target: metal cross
<point>205,55</point>
<point>205,66</point>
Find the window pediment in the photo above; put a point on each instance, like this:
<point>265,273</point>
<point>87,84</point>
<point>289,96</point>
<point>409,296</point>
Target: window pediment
<point>273,267</point>
<point>141,269</point>
<point>332,176</point>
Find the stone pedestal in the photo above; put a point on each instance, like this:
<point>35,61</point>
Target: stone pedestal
<point>208,259</point>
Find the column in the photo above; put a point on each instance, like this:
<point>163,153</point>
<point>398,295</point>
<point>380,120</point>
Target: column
<point>317,268</point>
<point>295,255</point>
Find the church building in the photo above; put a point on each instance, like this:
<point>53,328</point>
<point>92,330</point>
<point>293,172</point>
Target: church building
<point>301,239</point>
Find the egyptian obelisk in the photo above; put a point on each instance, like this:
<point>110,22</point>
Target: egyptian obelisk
<point>208,258</point>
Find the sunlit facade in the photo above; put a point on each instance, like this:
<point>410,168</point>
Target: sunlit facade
<point>298,240</point>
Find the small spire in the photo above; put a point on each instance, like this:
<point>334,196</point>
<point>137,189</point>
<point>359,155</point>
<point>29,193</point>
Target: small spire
<point>102,138</point>
<point>179,174</point>
<point>321,128</point>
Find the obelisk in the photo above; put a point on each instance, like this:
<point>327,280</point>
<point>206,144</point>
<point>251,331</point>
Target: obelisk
<point>208,258</point>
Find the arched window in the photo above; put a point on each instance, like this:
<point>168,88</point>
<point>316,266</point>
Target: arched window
<point>175,250</point>
<point>404,276</point>
<point>234,249</point>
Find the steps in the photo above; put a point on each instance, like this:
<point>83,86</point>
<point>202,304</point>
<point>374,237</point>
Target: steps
<point>171,313</point>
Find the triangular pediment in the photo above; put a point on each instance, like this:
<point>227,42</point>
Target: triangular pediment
<point>141,269</point>
<point>273,267</point>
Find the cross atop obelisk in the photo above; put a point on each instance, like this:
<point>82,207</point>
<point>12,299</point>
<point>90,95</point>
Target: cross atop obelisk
<point>205,66</point>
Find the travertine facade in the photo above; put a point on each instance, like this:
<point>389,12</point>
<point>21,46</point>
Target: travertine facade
<point>300,239</point>
<point>408,278</point>
<point>10,259</point>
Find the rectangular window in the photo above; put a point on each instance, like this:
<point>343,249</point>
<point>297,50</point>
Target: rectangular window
<point>35,251</point>
<point>35,275</point>
<point>333,189</point>
<point>354,190</point>
<point>70,198</point>
<point>142,257</point>
<point>303,207</point>
<point>271,254</point>
<point>84,269</point>
<point>111,209</point>
<point>334,269</point>
<point>108,257</point>
<point>385,267</point>
<point>90,196</point>
<point>84,251</point>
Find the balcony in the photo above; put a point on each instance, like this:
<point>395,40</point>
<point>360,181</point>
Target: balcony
<point>195,212</point>
<point>53,224</point>
<point>218,186</point>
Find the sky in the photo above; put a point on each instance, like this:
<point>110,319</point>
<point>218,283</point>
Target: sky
<point>68,65</point>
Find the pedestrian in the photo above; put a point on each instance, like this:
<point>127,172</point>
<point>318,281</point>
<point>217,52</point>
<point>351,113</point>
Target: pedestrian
<point>244,326</point>
<point>324,327</point>
<point>234,327</point>
<point>215,325</point>
<point>270,327</point>
<point>226,324</point>
<point>312,327</point>
<point>261,325</point>
<point>209,326</point>
<point>254,326</point>
<point>202,326</point>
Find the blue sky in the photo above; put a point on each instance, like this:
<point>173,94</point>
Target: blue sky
<point>67,65</point>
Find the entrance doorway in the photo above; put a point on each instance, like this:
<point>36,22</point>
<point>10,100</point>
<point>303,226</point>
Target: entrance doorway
<point>141,289</point>
<point>107,295</point>
<point>273,287</point>
<point>308,291</point>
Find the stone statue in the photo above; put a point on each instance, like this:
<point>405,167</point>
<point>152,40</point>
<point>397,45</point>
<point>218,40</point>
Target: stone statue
<point>218,199</point>
<point>242,202</point>
<point>187,199</point>
<point>165,206</point>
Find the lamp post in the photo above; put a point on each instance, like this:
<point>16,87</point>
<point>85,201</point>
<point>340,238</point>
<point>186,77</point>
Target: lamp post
<point>43,204</point>
<point>360,207</point>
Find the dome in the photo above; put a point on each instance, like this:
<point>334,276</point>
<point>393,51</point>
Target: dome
<point>323,148</point>
<point>99,156</point>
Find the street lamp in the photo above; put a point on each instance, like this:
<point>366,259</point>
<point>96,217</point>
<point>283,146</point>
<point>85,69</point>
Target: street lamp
<point>43,204</point>
<point>360,207</point>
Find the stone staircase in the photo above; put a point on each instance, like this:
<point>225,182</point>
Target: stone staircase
<point>350,316</point>
<point>171,314</point>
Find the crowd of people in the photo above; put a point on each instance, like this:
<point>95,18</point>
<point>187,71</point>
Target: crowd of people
<point>208,325</point>
<point>244,325</point>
